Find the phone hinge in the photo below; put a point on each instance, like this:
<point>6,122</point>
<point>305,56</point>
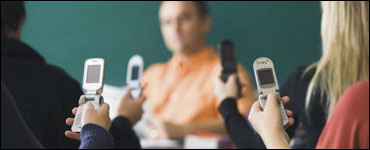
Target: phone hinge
<point>90,95</point>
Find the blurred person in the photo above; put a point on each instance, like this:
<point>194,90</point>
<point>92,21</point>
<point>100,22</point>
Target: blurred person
<point>26,74</point>
<point>180,91</point>
<point>317,89</point>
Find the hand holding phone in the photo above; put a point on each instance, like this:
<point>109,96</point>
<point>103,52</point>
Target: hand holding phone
<point>134,74</point>
<point>93,80</point>
<point>228,62</point>
<point>267,83</point>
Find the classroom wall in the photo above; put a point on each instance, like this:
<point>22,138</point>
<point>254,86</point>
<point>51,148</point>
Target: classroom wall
<point>67,33</point>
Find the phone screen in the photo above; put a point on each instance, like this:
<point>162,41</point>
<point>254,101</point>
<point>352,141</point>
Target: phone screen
<point>135,73</point>
<point>265,76</point>
<point>93,73</point>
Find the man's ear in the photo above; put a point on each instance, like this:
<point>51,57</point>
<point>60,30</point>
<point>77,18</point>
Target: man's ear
<point>207,24</point>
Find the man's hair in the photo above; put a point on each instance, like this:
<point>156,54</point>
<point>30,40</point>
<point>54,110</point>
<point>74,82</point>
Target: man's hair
<point>12,12</point>
<point>202,8</point>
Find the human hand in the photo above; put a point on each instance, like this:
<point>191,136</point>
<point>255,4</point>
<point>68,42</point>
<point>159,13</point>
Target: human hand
<point>130,108</point>
<point>69,133</point>
<point>98,116</point>
<point>226,90</point>
<point>268,122</point>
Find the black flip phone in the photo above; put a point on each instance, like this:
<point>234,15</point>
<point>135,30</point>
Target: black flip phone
<point>228,62</point>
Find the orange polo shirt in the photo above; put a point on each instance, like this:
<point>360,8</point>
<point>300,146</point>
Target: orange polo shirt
<point>182,91</point>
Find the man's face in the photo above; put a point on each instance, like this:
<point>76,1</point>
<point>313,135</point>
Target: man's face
<point>181,25</point>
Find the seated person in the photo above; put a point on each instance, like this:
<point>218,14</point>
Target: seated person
<point>348,126</point>
<point>314,90</point>
<point>15,133</point>
<point>180,92</point>
<point>94,133</point>
<point>24,70</point>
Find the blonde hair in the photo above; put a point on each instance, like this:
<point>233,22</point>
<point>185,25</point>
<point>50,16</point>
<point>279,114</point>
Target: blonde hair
<point>345,51</point>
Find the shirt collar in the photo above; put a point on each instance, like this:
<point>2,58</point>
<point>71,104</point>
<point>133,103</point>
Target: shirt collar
<point>184,65</point>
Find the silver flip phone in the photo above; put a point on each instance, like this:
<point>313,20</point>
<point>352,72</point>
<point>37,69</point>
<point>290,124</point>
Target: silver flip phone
<point>267,83</point>
<point>134,74</point>
<point>93,80</point>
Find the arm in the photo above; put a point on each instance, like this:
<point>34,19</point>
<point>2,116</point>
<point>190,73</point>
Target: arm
<point>121,128</point>
<point>240,133</point>
<point>95,137</point>
<point>244,103</point>
<point>130,112</point>
<point>124,135</point>
<point>276,140</point>
<point>94,133</point>
<point>15,133</point>
<point>268,122</point>
<point>237,127</point>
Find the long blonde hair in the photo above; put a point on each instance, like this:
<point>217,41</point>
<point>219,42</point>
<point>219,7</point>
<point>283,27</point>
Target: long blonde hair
<point>345,51</point>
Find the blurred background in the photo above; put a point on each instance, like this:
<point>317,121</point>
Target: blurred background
<point>67,33</point>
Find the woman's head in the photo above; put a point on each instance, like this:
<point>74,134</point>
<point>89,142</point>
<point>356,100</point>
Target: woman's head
<point>345,47</point>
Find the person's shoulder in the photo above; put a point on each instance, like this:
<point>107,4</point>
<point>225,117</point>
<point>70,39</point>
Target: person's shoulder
<point>360,88</point>
<point>59,74</point>
<point>297,83</point>
<point>301,75</point>
<point>34,67</point>
<point>154,68</point>
<point>303,72</point>
<point>355,97</point>
<point>54,70</point>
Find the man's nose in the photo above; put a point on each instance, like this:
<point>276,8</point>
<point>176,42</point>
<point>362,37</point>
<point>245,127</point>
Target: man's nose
<point>178,27</point>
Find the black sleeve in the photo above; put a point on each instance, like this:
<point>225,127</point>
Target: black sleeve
<point>123,134</point>
<point>239,131</point>
<point>15,133</point>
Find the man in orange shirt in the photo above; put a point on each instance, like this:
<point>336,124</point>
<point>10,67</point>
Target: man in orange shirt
<point>181,91</point>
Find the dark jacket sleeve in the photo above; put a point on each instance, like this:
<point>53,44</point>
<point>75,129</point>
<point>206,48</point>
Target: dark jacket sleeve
<point>123,134</point>
<point>237,127</point>
<point>95,137</point>
<point>15,133</point>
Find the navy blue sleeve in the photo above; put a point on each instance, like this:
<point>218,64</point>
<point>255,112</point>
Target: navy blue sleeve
<point>15,133</point>
<point>237,127</point>
<point>95,137</point>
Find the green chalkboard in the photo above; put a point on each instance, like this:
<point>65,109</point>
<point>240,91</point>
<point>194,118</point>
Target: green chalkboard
<point>67,33</point>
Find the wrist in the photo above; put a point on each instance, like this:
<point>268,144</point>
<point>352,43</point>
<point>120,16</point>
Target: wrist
<point>275,140</point>
<point>127,116</point>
